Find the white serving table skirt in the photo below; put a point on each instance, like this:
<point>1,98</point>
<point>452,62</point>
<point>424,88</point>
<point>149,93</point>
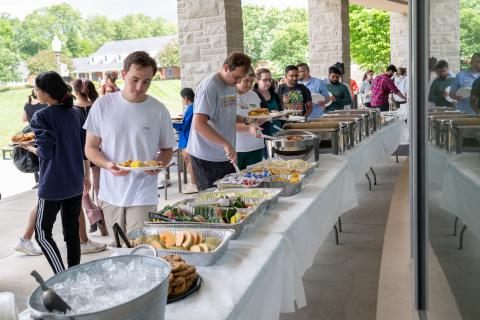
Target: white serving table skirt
<point>260,275</point>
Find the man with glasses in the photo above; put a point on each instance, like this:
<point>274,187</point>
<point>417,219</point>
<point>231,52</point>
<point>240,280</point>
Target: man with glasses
<point>315,85</point>
<point>212,138</point>
<point>293,95</point>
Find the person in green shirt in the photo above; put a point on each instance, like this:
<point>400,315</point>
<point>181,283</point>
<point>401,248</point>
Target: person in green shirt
<point>437,93</point>
<point>340,92</point>
<point>475,96</point>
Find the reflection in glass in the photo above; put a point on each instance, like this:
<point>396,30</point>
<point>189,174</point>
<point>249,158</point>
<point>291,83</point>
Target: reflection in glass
<point>453,159</point>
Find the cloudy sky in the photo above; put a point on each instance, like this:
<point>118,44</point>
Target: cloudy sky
<point>118,8</point>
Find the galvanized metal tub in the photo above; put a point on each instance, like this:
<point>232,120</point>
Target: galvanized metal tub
<point>149,306</point>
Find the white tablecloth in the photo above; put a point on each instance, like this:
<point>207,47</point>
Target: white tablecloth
<point>458,177</point>
<point>377,147</point>
<point>261,273</point>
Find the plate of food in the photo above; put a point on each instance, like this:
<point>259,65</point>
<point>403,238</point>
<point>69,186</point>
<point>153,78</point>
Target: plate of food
<point>262,114</point>
<point>23,138</point>
<point>138,165</point>
<point>184,279</point>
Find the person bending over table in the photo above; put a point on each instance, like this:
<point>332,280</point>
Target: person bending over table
<point>211,144</point>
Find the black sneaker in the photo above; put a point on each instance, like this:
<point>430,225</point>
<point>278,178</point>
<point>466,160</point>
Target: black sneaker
<point>35,186</point>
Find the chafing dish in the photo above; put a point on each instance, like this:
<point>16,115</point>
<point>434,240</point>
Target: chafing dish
<point>436,129</point>
<point>373,116</point>
<point>293,144</point>
<point>363,124</point>
<point>333,136</point>
<point>351,130</point>
<point>358,129</point>
<point>462,135</point>
<point>441,109</point>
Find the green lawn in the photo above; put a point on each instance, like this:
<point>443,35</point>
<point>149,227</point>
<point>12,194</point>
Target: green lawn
<point>13,100</point>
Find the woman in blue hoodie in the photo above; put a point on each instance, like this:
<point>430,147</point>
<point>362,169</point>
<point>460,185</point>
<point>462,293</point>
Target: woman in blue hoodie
<point>58,139</point>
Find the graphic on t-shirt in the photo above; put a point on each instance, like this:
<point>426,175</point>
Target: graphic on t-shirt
<point>293,100</point>
<point>228,101</point>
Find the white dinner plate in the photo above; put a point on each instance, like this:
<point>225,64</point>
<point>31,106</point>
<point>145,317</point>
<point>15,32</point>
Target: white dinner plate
<point>317,97</point>
<point>464,92</point>
<point>140,168</point>
<point>447,90</point>
<point>330,101</point>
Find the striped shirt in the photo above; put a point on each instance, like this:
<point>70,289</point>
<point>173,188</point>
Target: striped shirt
<point>382,86</point>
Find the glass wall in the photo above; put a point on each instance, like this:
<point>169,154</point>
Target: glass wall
<point>446,157</point>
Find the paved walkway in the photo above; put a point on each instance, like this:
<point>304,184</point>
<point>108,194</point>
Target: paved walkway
<point>342,284</point>
<point>15,268</point>
<point>12,181</point>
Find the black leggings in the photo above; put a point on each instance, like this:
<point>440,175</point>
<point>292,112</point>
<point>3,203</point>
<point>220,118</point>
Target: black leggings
<point>46,215</point>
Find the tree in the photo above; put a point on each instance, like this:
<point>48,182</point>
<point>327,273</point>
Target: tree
<point>469,28</point>
<point>169,56</point>
<point>9,63</point>
<point>267,31</point>
<point>46,60</point>
<point>38,29</point>
<point>290,45</point>
<point>369,37</point>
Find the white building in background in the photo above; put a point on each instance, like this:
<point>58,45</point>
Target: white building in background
<point>110,56</point>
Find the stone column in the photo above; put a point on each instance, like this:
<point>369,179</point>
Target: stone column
<point>207,31</point>
<point>445,32</point>
<point>329,36</point>
<point>399,39</point>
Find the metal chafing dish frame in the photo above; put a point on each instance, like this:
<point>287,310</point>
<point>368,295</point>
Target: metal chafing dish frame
<point>293,149</point>
<point>338,136</point>
<point>431,134</point>
<point>455,134</point>
<point>374,117</point>
<point>438,127</point>
<point>354,131</point>
<point>361,131</point>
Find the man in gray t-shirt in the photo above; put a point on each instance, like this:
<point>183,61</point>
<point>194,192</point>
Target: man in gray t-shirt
<point>212,138</point>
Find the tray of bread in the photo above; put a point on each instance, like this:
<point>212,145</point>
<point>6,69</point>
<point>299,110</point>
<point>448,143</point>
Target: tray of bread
<point>183,280</point>
<point>197,246</point>
<point>23,138</point>
<point>275,167</point>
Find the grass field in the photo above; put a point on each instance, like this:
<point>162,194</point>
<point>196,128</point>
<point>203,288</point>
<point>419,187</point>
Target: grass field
<point>13,100</point>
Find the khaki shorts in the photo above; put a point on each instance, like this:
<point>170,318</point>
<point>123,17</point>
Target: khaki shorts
<point>129,218</point>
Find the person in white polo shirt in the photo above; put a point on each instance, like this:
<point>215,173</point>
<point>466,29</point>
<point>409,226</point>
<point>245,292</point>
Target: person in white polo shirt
<point>249,147</point>
<point>129,125</point>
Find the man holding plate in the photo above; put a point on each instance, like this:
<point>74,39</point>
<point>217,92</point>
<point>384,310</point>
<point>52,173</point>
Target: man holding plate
<point>463,83</point>
<point>316,86</point>
<point>129,125</point>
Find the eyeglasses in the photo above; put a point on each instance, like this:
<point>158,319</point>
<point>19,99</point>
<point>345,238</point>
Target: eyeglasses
<point>267,80</point>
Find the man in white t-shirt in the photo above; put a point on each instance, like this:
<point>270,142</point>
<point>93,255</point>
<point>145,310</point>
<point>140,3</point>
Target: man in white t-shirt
<point>249,148</point>
<point>129,125</point>
<point>212,137</point>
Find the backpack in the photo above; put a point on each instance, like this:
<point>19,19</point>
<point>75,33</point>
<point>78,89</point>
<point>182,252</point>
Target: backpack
<point>25,161</point>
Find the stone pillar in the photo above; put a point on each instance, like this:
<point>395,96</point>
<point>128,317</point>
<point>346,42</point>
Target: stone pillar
<point>445,32</point>
<point>399,39</point>
<point>208,31</point>
<point>329,36</point>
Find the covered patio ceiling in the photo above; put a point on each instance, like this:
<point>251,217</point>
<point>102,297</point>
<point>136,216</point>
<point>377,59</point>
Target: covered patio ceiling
<point>400,6</point>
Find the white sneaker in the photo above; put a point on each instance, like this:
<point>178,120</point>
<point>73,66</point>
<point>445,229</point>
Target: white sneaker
<point>92,246</point>
<point>189,188</point>
<point>27,247</point>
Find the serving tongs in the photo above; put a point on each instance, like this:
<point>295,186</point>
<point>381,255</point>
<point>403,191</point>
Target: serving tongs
<point>118,232</point>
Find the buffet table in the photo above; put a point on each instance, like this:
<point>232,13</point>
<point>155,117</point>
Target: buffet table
<point>260,275</point>
<point>376,147</point>
<point>458,176</point>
